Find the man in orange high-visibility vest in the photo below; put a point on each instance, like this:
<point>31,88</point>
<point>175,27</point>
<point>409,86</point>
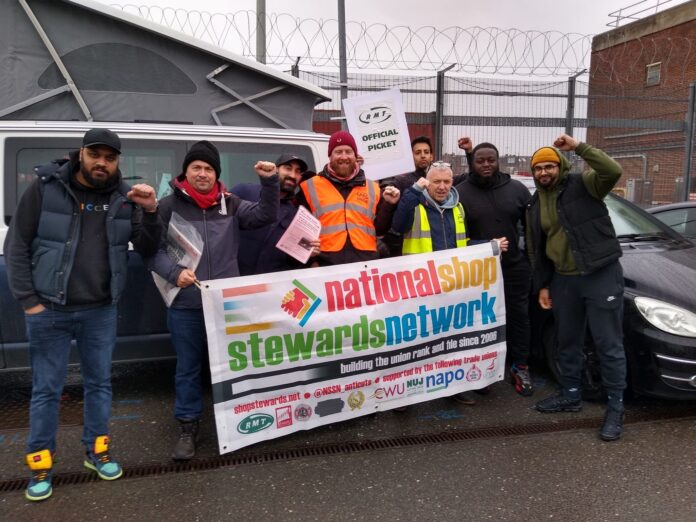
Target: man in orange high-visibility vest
<point>350,207</point>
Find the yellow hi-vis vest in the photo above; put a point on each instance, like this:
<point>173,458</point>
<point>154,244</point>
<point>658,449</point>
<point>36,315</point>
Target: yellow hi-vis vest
<point>419,240</point>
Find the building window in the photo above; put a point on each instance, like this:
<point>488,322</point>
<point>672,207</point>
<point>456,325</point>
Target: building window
<point>652,74</point>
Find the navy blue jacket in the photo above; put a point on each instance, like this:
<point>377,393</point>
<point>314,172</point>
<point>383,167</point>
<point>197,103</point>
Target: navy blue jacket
<point>442,228</point>
<point>257,248</point>
<point>43,238</point>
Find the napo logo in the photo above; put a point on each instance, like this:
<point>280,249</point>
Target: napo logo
<point>375,115</point>
<point>254,423</point>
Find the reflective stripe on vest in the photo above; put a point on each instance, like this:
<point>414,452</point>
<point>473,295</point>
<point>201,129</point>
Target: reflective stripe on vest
<point>339,218</point>
<point>419,239</point>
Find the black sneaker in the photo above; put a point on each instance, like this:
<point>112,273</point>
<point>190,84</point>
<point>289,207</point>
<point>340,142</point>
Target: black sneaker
<point>613,424</point>
<point>557,403</point>
<point>521,379</point>
<point>185,447</point>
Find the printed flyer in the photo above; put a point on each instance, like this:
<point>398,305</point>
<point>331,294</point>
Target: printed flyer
<point>293,350</point>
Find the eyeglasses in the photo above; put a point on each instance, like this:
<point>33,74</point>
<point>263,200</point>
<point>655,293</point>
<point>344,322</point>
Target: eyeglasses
<point>439,165</point>
<point>545,168</point>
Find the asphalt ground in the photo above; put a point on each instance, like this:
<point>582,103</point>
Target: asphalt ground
<point>503,461</point>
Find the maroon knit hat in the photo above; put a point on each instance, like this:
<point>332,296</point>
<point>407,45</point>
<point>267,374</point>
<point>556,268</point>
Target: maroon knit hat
<point>342,138</point>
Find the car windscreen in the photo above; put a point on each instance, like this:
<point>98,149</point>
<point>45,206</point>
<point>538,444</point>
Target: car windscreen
<point>631,221</point>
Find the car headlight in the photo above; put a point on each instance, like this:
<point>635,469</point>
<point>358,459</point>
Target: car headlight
<point>667,317</point>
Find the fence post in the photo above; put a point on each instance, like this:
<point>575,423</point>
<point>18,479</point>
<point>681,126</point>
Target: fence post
<point>295,69</point>
<point>440,111</point>
<point>570,107</point>
<point>261,31</point>
<point>689,141</point>
<point>342,56</point>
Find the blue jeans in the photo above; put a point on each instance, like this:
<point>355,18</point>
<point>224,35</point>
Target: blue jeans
<point>187,328</point>
<point>50,333</point>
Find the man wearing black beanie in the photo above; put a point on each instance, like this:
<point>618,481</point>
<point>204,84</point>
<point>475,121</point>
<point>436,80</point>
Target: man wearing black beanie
<point>201,200</point>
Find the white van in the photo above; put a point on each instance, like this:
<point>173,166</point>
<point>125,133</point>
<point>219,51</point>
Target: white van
<point>152,154</point>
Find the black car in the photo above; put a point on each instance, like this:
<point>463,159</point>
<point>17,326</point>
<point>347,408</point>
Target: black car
<point>679,216</point>
<point>659,309</point>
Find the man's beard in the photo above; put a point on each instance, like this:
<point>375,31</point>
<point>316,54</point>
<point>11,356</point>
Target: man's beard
<point>98,183</point>
<point>288,188</point>
<point>344,170</point>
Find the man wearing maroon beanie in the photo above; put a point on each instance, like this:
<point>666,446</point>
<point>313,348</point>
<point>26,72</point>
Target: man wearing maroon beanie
<point>350,207</point>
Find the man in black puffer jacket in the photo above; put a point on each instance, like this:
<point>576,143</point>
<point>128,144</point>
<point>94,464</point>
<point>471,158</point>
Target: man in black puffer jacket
<point>494,205</point>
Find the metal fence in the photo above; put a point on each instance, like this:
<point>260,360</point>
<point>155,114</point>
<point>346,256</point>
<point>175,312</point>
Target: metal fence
<point>646,134</point>
<point>649,131</point>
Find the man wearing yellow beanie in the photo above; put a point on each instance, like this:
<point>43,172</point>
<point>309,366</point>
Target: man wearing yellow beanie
<point>574,253</point>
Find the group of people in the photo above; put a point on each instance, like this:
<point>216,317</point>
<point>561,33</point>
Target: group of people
<point>66,256</point>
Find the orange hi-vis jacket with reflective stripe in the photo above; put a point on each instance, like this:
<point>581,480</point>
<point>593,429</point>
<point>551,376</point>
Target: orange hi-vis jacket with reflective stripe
<point>340,217</point>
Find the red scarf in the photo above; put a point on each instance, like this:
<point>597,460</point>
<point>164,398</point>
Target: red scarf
<point>204,201</point>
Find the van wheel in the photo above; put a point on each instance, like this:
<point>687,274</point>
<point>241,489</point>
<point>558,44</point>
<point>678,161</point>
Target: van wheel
<point>591,378</point>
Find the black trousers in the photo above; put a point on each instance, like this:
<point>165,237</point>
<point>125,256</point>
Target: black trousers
<point>518,284</point>
<point>594,300</point>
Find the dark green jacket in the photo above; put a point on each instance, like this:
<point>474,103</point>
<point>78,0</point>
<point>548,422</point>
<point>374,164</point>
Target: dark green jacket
<point>568,226</point>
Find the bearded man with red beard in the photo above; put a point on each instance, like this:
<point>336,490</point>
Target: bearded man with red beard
<point>350,207</point>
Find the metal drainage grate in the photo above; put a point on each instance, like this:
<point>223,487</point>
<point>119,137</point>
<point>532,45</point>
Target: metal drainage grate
<point>345,448</point>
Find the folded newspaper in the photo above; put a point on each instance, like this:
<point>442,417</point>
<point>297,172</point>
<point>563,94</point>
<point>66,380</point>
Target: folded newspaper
<point>184,247</point>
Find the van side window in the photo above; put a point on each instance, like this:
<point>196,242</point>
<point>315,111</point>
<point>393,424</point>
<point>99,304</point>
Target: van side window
<point>154,162</point>
<point>237,160</point>
<point>27,159</point>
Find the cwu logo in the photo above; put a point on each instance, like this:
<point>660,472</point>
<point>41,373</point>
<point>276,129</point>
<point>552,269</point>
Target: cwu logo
<point>375,115</point>
<point>254,423</point>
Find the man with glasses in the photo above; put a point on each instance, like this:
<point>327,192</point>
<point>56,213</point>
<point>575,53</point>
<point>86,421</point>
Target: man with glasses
<point>495,206</point>
<point>575,257</point>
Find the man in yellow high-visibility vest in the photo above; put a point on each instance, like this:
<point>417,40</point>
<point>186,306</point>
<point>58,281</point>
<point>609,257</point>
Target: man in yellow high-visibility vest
<point>430,218</point>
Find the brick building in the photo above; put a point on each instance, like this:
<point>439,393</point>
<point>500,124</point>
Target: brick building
<point>640,75</point>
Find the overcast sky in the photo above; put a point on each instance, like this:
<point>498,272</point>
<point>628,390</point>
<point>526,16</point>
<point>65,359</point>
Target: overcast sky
<point>585,17</point>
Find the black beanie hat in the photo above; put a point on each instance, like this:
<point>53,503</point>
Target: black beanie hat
<point>203,151</point>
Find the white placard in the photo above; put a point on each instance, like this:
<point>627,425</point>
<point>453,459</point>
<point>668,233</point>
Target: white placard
<point>378,124</point>
<point>296,241</point>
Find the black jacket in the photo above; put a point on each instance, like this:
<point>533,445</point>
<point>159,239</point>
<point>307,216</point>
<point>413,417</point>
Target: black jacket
<point>257,248</point>
<point>495,209</point>
<point>587,224</point>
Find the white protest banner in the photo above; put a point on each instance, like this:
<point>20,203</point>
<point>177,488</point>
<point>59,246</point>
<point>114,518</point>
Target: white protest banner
<point>378,124</point>
<point>290,351</point>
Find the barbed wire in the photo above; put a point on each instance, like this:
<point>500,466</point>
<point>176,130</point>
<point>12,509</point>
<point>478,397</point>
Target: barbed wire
<point>472,50</point>
<point>676,54</point>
